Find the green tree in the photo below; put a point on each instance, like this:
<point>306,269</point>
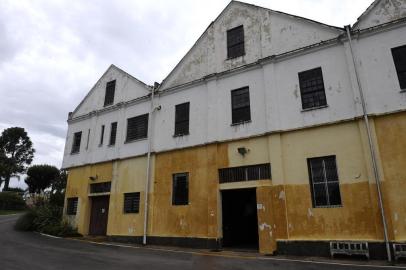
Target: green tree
<point>16,153</point>
<point>40,177</point>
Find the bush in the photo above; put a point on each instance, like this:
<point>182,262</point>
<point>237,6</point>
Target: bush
<point>47,215</point>
<point>11,201</point>
<point>26,221</point>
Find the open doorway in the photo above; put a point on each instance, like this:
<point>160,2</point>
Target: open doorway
<point>240,221</point>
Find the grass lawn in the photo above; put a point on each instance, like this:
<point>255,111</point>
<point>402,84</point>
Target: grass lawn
<point>10,212</point>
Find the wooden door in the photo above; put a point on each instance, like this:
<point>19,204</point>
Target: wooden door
<point>99,215</point>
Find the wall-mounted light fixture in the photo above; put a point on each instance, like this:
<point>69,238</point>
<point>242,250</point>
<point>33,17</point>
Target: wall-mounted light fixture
<point>93,178</point>
<point>242,151</point>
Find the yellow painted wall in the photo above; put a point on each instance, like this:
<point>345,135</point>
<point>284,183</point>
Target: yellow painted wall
<point>201,217</point>
<point>391,137</point>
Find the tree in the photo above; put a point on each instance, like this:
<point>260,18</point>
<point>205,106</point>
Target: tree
<point>40,177</point>
<point>16,153</point>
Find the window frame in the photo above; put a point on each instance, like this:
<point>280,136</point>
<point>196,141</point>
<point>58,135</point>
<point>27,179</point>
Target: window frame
<point>315,93</point>
<point>109,93</point>
<point>74,144</point>
<point>231,44</point>
<point>113,127</point>
<point>179,122</point>
<point>144,136</point>
<point>236,107</point>
<point>325,181</point>
<point>102,135</point>
<point>176,201</point>
<point>401,80</point>
<point>132,210</point>
<point>72,206</point>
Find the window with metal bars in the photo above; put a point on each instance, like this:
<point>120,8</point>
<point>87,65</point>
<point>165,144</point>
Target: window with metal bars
<point>77,137</point>
<point>245,173</point>
<point>240,103</point>
<point>101,135</point>
<point>137,128</point>
<point>399,57</point>
<point>113,133</point>
<point>72,206</point>
<point>324,182</point>
<point>110,89</point>
<point>100,187</point>
<point>235,42</point>
<point>180,189</point>
<point>312,89</point>
<point>131,202</point>
<point>182,119</point>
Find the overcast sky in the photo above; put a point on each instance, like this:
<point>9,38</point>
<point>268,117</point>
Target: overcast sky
<point>52,52</point>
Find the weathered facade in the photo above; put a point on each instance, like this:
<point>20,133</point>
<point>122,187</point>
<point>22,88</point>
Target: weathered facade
<point>257,138</point>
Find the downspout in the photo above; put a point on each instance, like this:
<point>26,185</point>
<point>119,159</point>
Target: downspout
<point>371,147</point>
<point>150,125</point>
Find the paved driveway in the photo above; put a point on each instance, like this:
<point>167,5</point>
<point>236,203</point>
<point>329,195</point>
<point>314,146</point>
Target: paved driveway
<point>26,251</point>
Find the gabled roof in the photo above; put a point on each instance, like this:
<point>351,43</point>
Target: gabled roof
<point>334,28</point>
<point>366,12</point>
<point>112,66</point>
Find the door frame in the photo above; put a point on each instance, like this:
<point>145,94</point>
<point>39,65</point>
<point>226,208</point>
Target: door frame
<point>91,198</point>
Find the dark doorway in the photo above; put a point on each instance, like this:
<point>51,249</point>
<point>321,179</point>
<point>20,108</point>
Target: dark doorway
<point>99,215</point>
<point>240,221</point>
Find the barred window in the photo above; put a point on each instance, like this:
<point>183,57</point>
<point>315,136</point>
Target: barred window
<point>245,173</point>
<point>312,88</point>
<point>110,89</point>
<point>137,127</point>
<point>399,57</point>
<point>77,137</point>
<point>182,119</point>
<point>113,133</point>
<point>100,187</point>
<point>132,202</point>
<point>235,42</point>
<point>180,189</point>
<point>240,103</point>
<point>72,206</point>
<point>324,181</point>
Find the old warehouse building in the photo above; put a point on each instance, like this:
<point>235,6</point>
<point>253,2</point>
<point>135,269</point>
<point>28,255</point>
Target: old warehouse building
<point>272,132</point>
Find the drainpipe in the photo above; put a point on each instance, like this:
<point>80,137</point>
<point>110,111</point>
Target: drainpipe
<point>371,147</point>
<point>150,125</point>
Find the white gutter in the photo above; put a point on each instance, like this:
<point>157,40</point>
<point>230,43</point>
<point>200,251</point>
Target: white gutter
<point>371,147</point>
<point>150,129</point>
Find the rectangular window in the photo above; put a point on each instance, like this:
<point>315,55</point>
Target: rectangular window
<point>72,206</point>
<point>180,189</point>
<point>182,119</point>
<point>240,103</point>
<point>76,142</point>
<point>137,127</point>
<point>245,173</point>
<point>113,133</point>
<point>131,202</point>
<point>101,135</point>
<point>235,42</point>
<point>324,181</point>
<point>110,89</point>
<point>399,57</point>
<point>103,187</point>
<point>312,88</point>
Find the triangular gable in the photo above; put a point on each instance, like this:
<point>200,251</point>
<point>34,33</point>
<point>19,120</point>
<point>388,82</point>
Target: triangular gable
<point>127,88</point>
<point>268,33</point>
<point>380,12</point>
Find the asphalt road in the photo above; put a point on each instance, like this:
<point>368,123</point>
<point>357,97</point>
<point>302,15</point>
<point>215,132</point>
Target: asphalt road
<point>27,251</point>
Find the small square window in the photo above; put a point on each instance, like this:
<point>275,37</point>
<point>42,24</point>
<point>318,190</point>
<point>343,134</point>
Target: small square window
<point>72,206</point>
<point>399,57</point>
<point>235,42</point>
<point>324,181</point>
<point>131,202</point>
<point>180,189</point>
<point>312,89</point>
